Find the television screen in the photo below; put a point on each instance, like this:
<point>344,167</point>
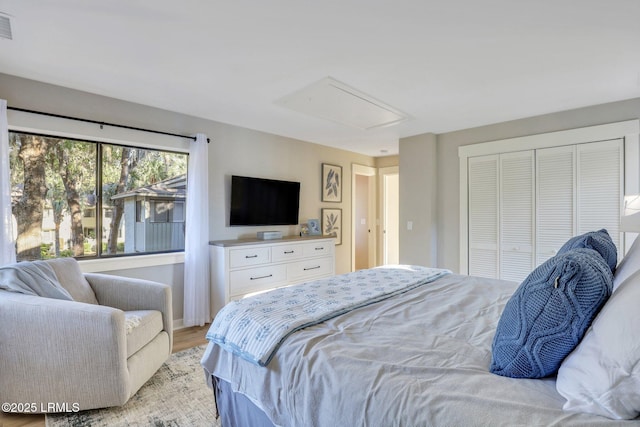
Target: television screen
<point>258,201</point>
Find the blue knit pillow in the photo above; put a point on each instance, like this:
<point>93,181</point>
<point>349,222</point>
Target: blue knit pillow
<point>596,240</point>
<point>549,313</point>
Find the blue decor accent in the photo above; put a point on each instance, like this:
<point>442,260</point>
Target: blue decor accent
<point>549,313</point>
<point>599,241</point>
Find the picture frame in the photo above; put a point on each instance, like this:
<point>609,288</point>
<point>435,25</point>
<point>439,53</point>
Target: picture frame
<point>331,183</point>
<point>313,227</point>
<point>332,223</point>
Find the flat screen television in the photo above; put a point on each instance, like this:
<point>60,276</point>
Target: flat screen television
<point>259,201</point>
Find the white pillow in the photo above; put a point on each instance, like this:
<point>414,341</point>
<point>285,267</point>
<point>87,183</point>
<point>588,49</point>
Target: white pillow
<point>602,375</point>
<point>629,264</point>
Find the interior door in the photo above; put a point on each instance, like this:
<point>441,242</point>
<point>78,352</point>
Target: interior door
<point>390,215</point>
<point>363,193</point>
<point>484,190</point>
<point>362,226</point>
<point>517,207</point>
<point>556,199</point>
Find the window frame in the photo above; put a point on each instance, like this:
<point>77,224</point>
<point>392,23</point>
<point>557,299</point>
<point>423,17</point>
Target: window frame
<point>57,127</point>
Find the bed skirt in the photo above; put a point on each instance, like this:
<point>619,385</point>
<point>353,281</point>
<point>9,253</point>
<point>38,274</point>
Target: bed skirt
<point>235,409</point>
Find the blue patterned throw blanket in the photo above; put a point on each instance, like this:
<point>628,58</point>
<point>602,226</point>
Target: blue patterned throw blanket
<point>254,327</point>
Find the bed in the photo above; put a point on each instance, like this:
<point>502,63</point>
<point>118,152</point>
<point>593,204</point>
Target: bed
<point>422,357</point>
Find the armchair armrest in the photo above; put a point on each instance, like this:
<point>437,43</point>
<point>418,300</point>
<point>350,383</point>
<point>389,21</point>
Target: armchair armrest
<point>61,351</point>
<point>129,294</point>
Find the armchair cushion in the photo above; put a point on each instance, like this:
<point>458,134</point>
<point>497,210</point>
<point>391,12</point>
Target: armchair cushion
<point>148,324</point>
<point>71,278</point>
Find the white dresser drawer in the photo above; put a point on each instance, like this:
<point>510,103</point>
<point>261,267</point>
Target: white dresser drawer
<point>256,279</point>
<point>310,268</point>
<point>286,252</point>
<point>318,248</point>
<point>247,257</point>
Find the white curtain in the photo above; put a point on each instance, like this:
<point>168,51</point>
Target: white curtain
<point>196,246</point>
<point>7,243</point>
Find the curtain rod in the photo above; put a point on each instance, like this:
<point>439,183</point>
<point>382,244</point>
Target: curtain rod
<point>102,123</point>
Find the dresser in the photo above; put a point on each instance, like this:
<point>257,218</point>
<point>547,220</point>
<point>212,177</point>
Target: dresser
<point>246,266</point>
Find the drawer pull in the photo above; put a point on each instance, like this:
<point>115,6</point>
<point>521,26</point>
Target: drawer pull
<point>311,268</point>
<point>320,248</point>
<point>289,252</point>
<point>251,256</point>
<point>260,277</point>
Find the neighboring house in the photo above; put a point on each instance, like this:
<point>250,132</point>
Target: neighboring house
<point>89,225</point>
<point>154,216</point>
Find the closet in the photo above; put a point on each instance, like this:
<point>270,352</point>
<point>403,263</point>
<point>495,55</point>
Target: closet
<point>522,199</point>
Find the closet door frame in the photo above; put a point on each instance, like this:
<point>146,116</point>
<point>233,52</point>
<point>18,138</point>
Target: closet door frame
<point>627,130</point>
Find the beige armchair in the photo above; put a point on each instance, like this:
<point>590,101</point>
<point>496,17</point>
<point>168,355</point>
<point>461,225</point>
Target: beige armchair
<point>94,351</point>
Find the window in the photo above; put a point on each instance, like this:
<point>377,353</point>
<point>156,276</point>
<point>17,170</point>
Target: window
<point>86,199</point>
<point>139,211</point>
<point>168,211</point>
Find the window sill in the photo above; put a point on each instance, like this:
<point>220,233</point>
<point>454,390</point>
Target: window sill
<point>125,263</point>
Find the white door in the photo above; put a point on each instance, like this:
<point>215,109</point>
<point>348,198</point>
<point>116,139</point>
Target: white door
<point>484,188</point>
<point>600,187</point>
<point>517,201</point>
<point>579,189</point>
<point>555,200</point>
<point>363,225</point>
<point>390,215</point>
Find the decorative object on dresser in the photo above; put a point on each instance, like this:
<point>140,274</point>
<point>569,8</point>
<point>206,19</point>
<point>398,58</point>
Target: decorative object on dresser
<point>269,235</point>
<point>313,226</point>
<point>332,223</point>
<point>331,183</point>
<point>241,267</point>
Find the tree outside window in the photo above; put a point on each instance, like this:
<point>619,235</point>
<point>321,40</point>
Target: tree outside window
<point>67,203</point>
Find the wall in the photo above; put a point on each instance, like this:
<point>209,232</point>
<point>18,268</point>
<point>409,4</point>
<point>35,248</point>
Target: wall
<point>448,185</point>
<point>418,228</point>
<point>387,161</point>
<point>233,150</point>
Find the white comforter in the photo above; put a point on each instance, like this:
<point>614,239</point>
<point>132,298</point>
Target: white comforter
<point>417,359</point>
<point>254,327</point>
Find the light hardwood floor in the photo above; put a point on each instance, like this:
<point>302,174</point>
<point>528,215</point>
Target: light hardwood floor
<point>182,339</point>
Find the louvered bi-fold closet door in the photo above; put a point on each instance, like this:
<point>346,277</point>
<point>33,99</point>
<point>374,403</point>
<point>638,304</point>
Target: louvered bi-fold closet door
<point>483,194</point>
<point>579,189</point>
<point>555,199</point>
<point>600,187</point>
<point>517,201</point>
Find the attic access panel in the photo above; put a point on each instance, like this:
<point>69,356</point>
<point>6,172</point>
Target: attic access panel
<point>338,102</point>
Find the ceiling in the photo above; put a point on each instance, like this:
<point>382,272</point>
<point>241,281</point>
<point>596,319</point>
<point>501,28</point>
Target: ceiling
<point>447,65</point>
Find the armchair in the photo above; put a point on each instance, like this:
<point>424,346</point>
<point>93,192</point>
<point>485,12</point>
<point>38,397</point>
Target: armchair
<point>94,351</point>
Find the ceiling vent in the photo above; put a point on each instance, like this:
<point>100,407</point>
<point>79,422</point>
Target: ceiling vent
<point>338,102</point>
<point>5,27</point>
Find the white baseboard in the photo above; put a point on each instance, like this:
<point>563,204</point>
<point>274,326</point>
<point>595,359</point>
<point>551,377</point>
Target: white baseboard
<point>178,324</point>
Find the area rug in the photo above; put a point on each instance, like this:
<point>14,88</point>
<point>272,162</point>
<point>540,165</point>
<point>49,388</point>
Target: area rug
<point>176,396</point>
